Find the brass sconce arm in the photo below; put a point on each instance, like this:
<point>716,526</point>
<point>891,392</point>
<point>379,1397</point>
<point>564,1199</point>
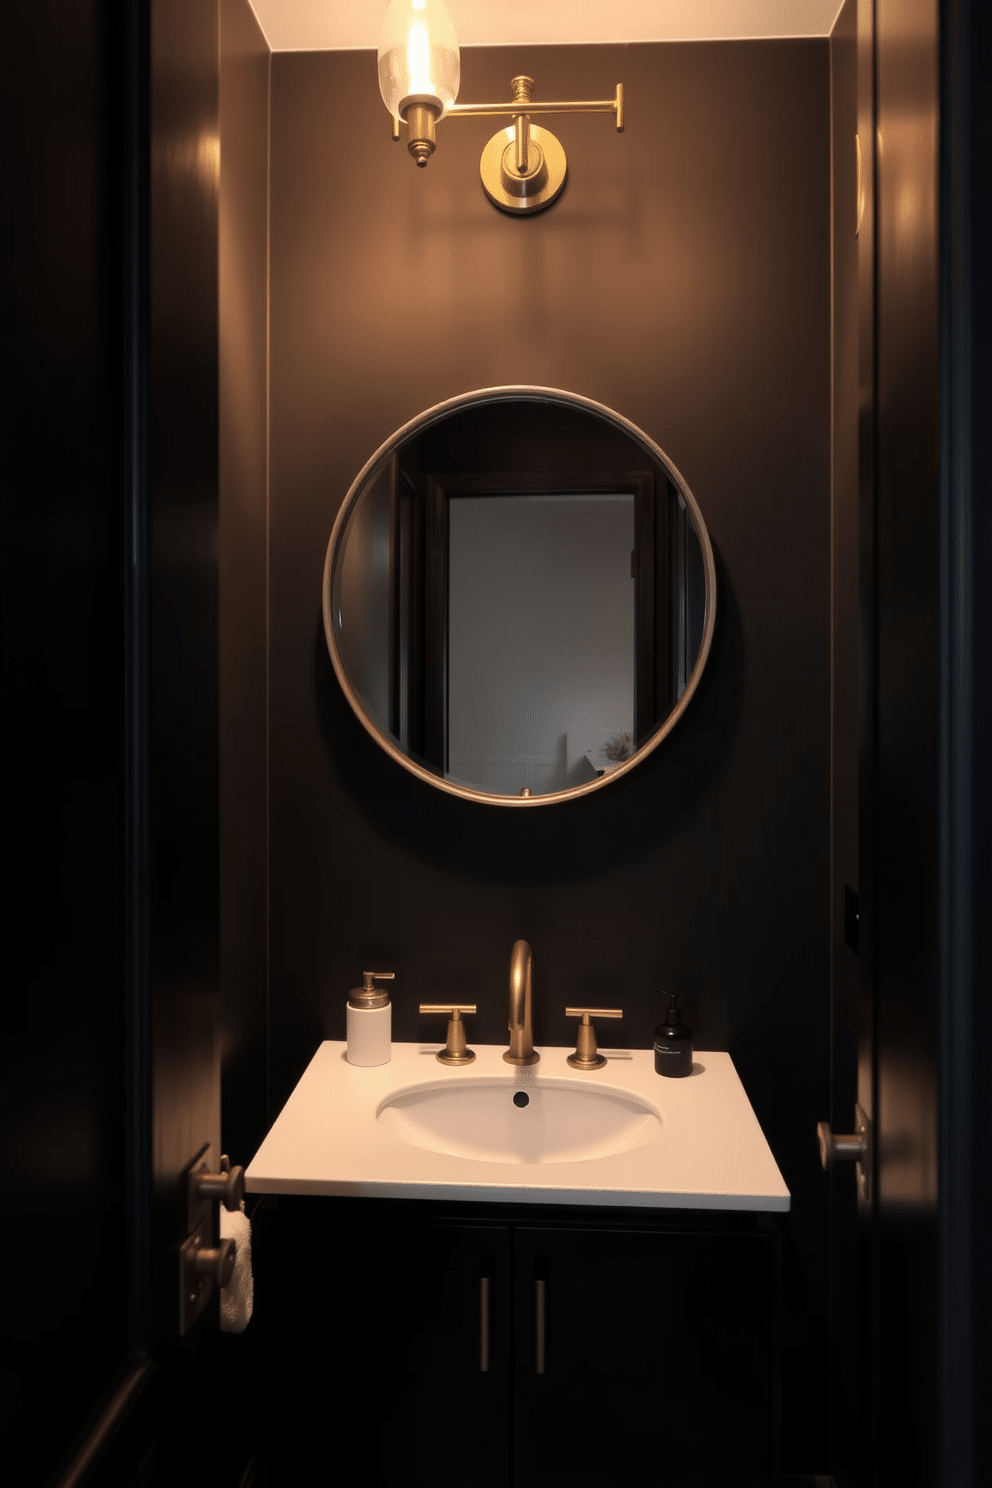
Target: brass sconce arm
<point>509,110</point>
<point>523,167</point>
<point>505,110</point>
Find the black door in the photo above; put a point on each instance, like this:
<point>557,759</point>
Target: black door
<point>65,1313</point>
<point>920,1320</point>
<point>111,742</point>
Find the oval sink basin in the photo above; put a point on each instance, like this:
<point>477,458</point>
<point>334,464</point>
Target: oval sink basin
<point>542,1121</point>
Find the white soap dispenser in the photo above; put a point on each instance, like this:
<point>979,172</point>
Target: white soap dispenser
<point>370,1021</point>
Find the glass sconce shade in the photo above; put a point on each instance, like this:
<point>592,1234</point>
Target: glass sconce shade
<point>418,56</point>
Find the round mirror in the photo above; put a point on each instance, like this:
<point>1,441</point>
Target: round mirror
<point>519,596</point>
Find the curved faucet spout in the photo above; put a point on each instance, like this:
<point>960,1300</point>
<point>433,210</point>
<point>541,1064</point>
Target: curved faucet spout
<point>521,1050</point>
<point>520,980</point>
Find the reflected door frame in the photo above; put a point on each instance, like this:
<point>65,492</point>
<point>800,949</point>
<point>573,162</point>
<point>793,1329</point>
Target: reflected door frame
<point>652,623</point>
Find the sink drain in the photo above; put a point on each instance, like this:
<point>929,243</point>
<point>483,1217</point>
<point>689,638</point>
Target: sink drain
<point>521,1099</point>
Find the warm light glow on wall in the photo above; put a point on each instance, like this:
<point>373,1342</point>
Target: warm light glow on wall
<point>208,157</point>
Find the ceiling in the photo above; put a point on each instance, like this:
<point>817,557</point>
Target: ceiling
<point>331,25</point>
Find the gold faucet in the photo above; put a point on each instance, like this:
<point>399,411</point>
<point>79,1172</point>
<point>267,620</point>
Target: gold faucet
<point>521,1050</point>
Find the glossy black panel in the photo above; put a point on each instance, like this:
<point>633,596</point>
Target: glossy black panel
<point>977,57</point>
<point>64,1311</point>
<point>902,901</point>
<point>965,1348</point>
<point>243,533</point>
<point>683,279</point>
<point>844,716</point>
<point>863,1299</point>
<point>183,710</point>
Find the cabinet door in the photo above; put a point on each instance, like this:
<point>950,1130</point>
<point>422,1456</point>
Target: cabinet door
<point>395,1369</point>
<point>642,1358</point>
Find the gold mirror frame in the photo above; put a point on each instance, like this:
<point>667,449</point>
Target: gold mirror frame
<point>482,398</point>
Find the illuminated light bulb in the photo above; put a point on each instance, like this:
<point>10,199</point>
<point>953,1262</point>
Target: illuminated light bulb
<point>418,57</point>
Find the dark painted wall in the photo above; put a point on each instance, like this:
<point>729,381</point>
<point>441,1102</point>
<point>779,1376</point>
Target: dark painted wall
<point>684,279</point>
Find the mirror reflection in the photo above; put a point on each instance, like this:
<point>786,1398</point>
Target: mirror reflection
<point>518,594</point>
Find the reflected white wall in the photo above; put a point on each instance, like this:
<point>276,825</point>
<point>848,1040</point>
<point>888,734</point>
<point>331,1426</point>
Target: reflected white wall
<point>541,636</point>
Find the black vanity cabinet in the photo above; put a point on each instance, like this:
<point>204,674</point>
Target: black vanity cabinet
<point>642,1356</point>
<point>493,1350</point>
<point>374,1361</point>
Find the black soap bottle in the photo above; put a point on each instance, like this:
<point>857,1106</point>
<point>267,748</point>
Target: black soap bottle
<point>673,1042</point>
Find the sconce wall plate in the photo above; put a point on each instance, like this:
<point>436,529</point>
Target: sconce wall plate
<point>538,185</point>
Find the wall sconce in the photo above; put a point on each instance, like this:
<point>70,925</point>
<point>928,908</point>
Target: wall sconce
<point>523,167</point>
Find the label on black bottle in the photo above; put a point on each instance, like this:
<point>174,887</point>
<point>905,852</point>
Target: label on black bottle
<point>673,1058</point>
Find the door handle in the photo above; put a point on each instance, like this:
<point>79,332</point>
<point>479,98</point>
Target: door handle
<point>484,1314</point>
<point>540,1323</point>
<point>852,1147</point>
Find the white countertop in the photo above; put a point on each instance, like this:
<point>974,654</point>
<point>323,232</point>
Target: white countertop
<point>709,1153</point>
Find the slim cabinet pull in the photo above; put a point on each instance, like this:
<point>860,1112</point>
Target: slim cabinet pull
<point>540,1316</point>
<point>484,1290</point>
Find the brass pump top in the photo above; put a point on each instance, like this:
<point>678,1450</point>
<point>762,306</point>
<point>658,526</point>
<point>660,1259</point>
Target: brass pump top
<point>371,996</point>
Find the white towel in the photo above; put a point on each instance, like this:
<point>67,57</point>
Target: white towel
<point>237,1298</point>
